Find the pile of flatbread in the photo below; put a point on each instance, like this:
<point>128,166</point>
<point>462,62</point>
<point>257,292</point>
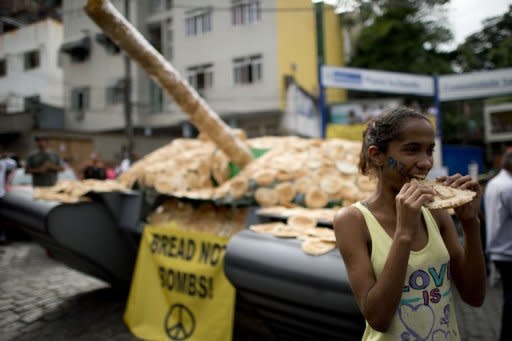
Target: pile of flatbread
<point>293,172</point>
<point>180,166</point>
<point>315,240</point>
<point>445,196</point>
<point>71,191</point>
<point>202,217</point>
<point>298,172</point>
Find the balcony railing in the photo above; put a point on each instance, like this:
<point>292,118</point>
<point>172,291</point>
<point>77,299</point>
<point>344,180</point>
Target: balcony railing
<point>16,123</point>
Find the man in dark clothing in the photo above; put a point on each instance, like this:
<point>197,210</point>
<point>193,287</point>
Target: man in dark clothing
<point>498,219</point>
<point>95,169</point>
<point>43,164</point>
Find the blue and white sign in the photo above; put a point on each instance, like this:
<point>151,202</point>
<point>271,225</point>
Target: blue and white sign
<point>475,84</point>
<point>381,81</point>
<point>300,116</point>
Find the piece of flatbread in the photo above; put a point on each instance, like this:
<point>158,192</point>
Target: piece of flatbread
<point>266,227</point>
<point>316,247</point>
<point>286,231</point>
<point>446,196</point>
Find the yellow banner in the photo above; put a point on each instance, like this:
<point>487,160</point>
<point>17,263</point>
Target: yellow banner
<point>179,291</point>
<point>346,131</point>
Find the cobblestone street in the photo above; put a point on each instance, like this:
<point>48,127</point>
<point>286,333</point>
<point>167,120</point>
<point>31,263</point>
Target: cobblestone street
<point>41,299</point>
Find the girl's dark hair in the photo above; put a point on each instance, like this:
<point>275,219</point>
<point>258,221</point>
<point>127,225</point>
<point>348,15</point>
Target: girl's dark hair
<point>383,129</point>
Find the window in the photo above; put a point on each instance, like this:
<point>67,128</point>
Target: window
<point>108,44</point>
<point>32,103</point>
<point>80,99</point>
<point>200,77</point>
<point>245,12</point>
<point>247,70</point>
<point>31,59</point>
<point>155,6</point>
<point>79,50</point>
<point>3,67</point>
<point>115,93</point>
<point>198,21</point>
<point>156,98</point>
<point>170,38</point>
<point>155,36</point>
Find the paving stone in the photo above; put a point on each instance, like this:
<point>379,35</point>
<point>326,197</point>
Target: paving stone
<point>34,326</point>
<point>31,315</point>
<point>6,307</point>
<point>8,318</point>
<point>21,310</point>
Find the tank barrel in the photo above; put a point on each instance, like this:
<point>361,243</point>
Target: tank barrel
<point>126,36</point>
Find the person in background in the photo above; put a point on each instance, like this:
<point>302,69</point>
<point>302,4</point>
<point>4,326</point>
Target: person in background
<point>498,217</point>
<point>94,169</point>
<point>6,164</point>
<point>402,259</point>
<point>353,118</point>
<point>110,170</point>
<point>43,164</point>
<point>124,165</point>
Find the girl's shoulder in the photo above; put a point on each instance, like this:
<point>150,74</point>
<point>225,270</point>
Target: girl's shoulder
<point>350,219</point>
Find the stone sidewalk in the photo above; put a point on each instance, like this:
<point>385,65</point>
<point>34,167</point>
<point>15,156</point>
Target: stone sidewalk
<point>41,299</point>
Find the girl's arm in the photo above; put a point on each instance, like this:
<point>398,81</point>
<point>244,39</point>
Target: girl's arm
<point>379,299</point>
<point>467,264</point>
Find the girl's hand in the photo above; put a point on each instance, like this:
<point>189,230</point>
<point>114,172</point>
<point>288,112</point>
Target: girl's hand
<point>408,208</point>
<point>470,210</point>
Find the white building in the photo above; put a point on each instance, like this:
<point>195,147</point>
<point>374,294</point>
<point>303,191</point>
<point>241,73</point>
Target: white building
<point>31,93</point>
<point>30,72</point>
<point>236,53</point>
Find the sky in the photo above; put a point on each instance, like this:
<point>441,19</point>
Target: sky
<point>465,16</point>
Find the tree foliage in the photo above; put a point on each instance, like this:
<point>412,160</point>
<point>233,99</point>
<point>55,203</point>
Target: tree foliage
<point>490,48</point>
<point>402,36</point>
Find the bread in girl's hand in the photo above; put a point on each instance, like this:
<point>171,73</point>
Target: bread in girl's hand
<point>446,196</point>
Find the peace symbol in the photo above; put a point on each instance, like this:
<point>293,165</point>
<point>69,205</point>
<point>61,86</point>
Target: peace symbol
<point>179,322</point>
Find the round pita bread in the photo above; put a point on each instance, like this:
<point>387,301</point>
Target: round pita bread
<point>316,247</point>
<point>283,175</point>
<point>346,167</point>
<point>331,184</point>
<point>304,184</point>
<point>265,227</point>
<point>315,198</point>
<point>301,221</point>
<point>446,196</point>
<point>286,231</point>
<point>238,187</point>
<point>324,233</point>
<point>192,180</point>
<point>266,196</point>
<point>264,177</point>
<point>286,192</point>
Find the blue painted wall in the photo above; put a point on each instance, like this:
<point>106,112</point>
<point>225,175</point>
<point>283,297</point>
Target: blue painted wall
<point>457,158</point>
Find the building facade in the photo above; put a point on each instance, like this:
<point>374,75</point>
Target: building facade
<point>235,53</point>
<point>31,77</point>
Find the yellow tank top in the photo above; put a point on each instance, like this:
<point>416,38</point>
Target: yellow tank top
<point>426,310</point>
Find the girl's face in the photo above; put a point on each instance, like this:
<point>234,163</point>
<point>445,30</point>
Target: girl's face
<point>411,155</point>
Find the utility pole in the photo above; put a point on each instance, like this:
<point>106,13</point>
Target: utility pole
<point>319,18</point>
<point>128,94</point>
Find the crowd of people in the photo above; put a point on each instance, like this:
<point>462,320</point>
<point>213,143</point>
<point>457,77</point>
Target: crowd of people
<point>44,166</point>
